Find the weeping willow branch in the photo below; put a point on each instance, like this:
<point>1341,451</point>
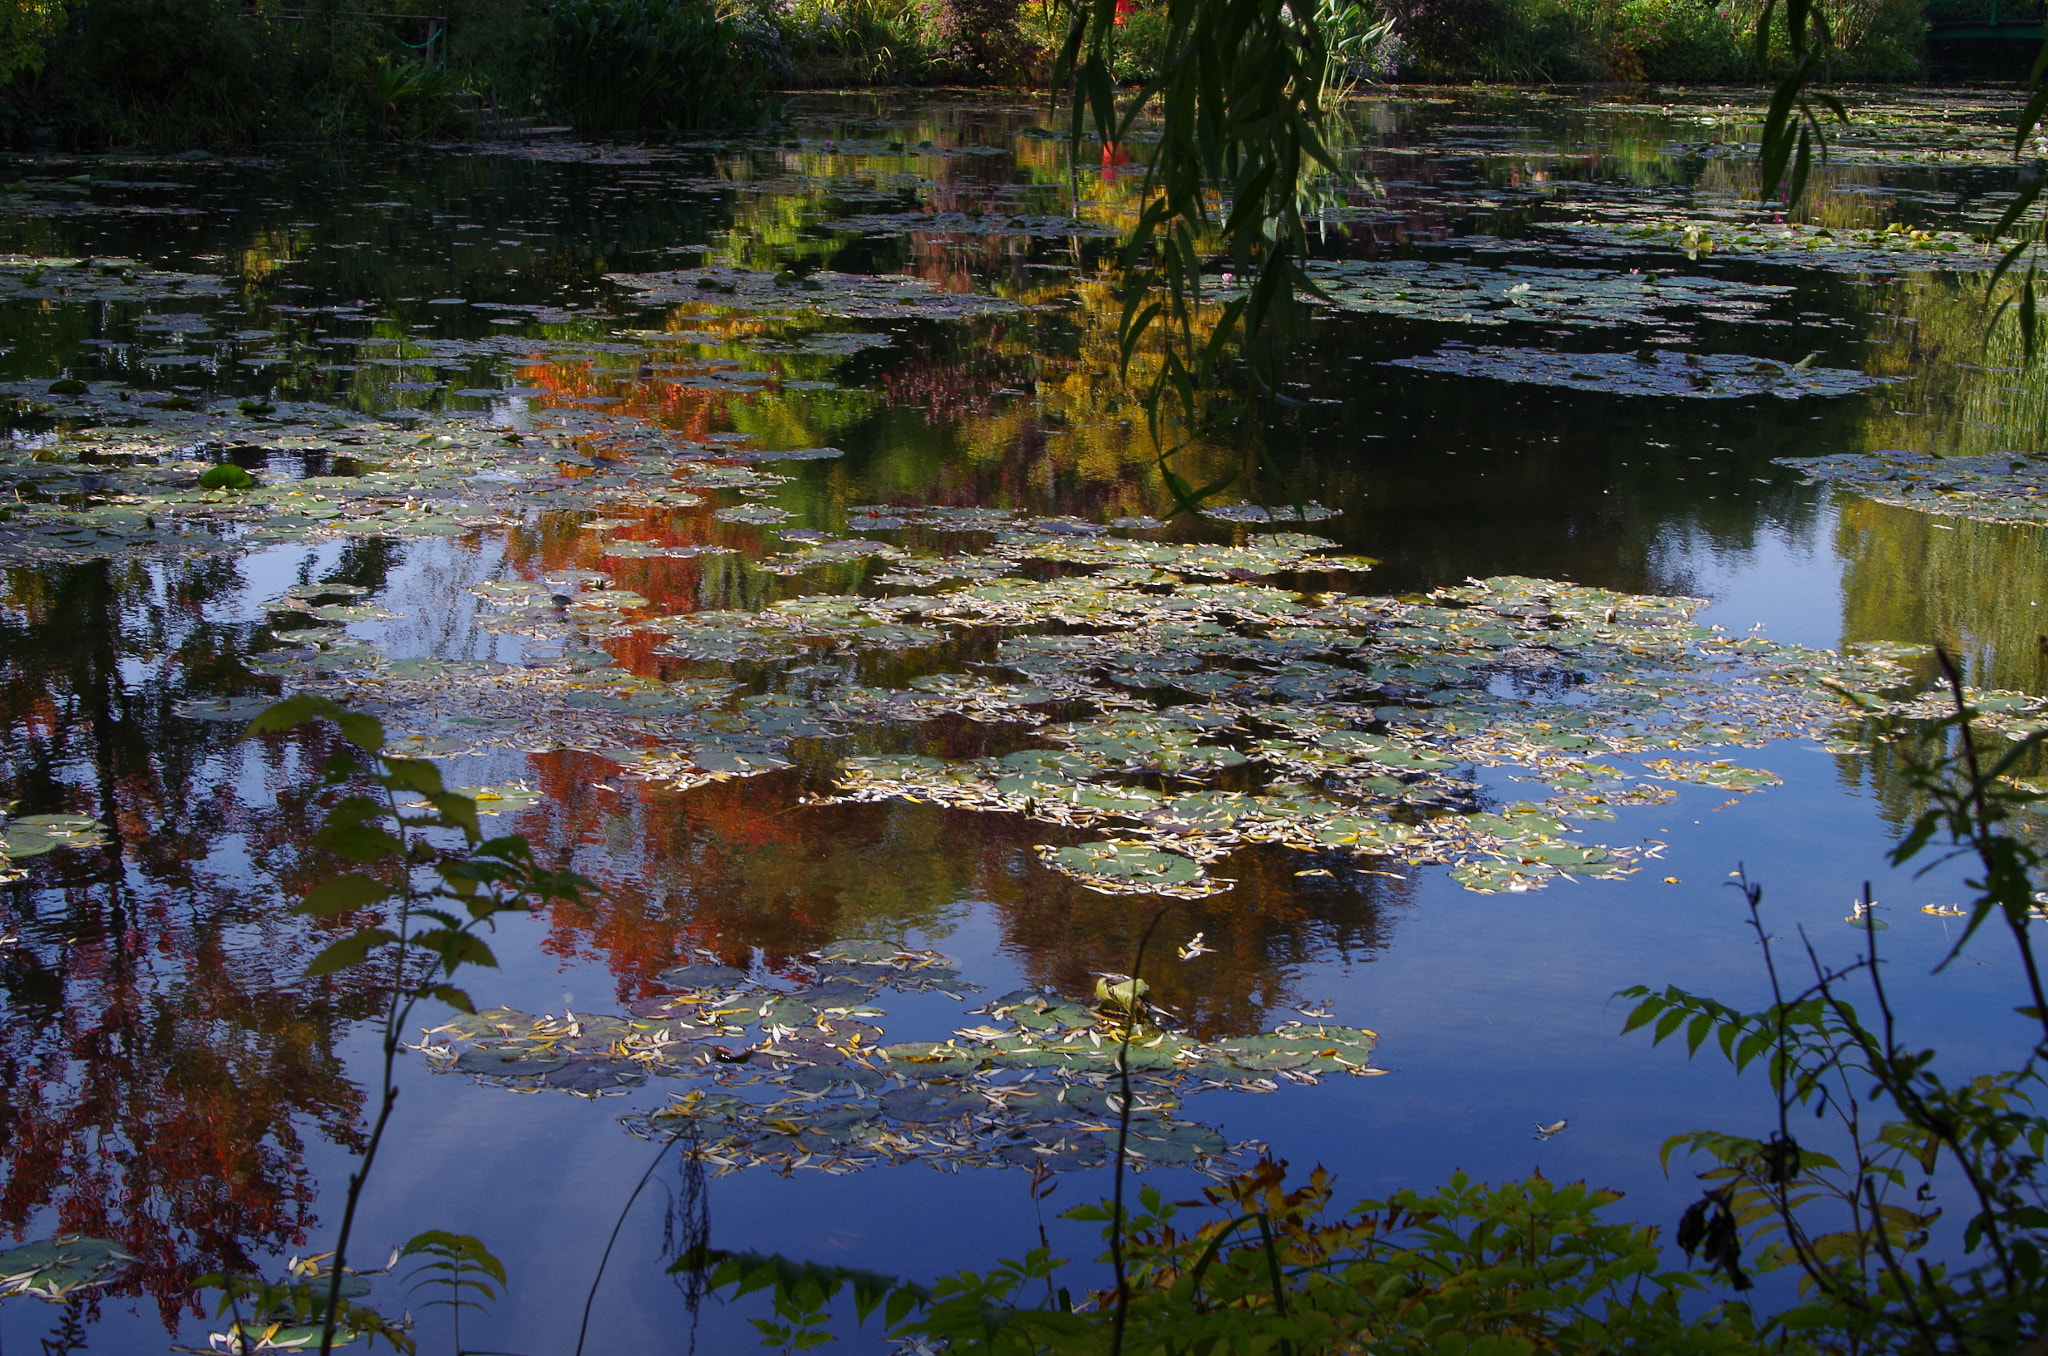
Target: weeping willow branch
<point>1236,109</point>
<point>1794,131</point>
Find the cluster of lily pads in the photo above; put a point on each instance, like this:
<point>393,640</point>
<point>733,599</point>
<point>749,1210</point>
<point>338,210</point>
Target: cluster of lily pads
<point>90,281</point>
<point>2000,488</point>
<point>857,296</point>
<point>108,491</point>
<point>24,836</point>
<point>1645,372</point>
<point>1751,236</point>
<point>1474,294</point>
<point>791,1071</point>
<point>1160,698</point>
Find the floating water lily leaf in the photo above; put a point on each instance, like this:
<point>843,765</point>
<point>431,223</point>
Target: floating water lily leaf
<point>227,477</point>
<point>33,835</point>
<point>753,513</point>
<point>703,976</point>
<point>1130,868</point>
<point>58,1268</point>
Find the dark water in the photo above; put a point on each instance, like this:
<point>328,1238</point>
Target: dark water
<point>169,1082</point>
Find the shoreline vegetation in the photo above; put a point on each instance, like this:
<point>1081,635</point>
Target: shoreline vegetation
<point>182,74</point>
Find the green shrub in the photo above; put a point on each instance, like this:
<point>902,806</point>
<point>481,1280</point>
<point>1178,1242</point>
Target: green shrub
<point>26,27</point>
<point>200,71</point>
<point>861,42</point>
<point>1629,40</point>
<point>1684,41</point>
<point>500,46</point>
<point>642,65</point>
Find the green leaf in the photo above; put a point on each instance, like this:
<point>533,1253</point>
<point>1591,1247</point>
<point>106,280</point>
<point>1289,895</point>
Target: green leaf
<point>350,950</point>
<point>412,774</point>
<point>357,841</point>
<point>455,998</point>
<point>293,711</point>
<point>341,894</point>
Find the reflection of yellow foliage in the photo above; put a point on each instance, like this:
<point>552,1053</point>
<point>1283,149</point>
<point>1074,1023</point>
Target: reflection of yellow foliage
<point>1086,420</point>
<point>1837,196</point>
<point>1981,589</point>
<point>264,255</point>
<point>1978,588</point>
<point>1966,389</point>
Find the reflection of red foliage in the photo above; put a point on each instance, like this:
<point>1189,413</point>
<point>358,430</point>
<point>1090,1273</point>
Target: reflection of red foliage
<point>947,391</point>
<point>1114,157</point>
<point>660,859</point>
<point>743,865</point>
<point>164,1059</point>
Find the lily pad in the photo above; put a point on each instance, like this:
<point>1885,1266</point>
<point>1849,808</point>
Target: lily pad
<point>58,1268</point>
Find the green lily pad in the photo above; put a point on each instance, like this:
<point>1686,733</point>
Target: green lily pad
<point>1120,868</point>
<point>55,1269</point>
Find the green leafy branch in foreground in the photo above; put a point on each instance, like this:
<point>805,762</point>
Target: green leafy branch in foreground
<point>436,903</point>
<point>1852,1226</point>
<point>1522,1267</point>
<point>1793,130</point>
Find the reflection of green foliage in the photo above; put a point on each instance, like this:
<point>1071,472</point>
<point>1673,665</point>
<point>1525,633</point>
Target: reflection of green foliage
<point>1978,589</point>
<point>1966,391</point>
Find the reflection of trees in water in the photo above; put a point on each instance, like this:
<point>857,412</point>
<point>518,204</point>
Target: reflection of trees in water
<point>742,865</point>
<point>1270,921</point>
<point>1966,390</point>
<point>1981,589</point>
<point>1441,479</point>
<point>159,1060</point>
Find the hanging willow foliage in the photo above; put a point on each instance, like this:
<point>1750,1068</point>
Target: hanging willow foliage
<point>1236,107</point>
<point>1794,131</point>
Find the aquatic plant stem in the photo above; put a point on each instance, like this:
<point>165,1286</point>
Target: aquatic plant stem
<point>396,1011</point>
<point>583,1328</point>
<point>1985,843</point>
<point>1117,1260</point>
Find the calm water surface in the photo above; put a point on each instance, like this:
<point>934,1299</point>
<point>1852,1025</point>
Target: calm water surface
<point>168,1081</point>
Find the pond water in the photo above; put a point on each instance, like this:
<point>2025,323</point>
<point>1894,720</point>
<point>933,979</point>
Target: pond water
<point>764,524</point>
